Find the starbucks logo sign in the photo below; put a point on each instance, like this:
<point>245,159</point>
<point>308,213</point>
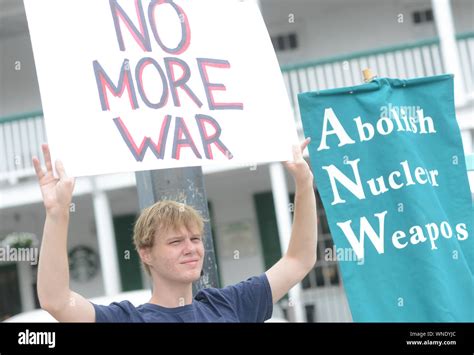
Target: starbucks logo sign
<point>83,263</point>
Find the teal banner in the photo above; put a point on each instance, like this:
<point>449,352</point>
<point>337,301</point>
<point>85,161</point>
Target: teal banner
<point>389,165</point>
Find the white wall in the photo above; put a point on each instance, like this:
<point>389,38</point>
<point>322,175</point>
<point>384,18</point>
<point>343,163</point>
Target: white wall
<point>19,92</point>
<point>328,28</point>
<point>463,14</point>
<point>231,194</point>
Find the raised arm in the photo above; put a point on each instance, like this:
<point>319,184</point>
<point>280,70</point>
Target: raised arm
<point>301,254</point>
<point>54,293</point>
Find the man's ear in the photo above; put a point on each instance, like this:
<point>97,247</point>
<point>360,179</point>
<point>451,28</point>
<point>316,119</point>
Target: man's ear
<point>145,255</point>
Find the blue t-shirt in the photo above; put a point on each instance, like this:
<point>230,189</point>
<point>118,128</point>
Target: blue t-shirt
<point>247,301</point>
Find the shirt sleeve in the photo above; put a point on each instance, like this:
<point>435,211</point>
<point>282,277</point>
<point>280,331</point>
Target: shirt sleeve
<point>252,299</point>
<point>118,312</point>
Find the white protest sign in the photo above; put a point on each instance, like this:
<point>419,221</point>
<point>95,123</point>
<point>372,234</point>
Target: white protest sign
<point>140,85</point>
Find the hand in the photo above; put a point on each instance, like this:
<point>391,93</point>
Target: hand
<point>299,168</point>
<point>57,193</point>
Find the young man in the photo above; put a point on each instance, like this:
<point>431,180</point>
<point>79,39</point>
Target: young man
<point>168,238</point>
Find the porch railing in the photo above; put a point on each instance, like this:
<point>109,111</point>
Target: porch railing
<point>422,58</point>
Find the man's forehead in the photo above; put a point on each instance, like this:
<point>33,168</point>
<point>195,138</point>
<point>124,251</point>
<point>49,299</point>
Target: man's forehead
<point>183,232</point>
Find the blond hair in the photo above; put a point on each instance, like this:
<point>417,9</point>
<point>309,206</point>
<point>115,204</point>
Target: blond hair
<point>162,217</point>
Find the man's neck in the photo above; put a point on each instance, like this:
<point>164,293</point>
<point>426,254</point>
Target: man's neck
<point>171,294</point>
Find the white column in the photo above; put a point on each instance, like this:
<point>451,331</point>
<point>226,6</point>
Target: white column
<point>26,285</point>
<point>106,238</point>
<point>283,216</point>
<point>449,51</point>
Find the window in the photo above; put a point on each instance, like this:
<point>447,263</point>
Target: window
<point>310,313</point>
<point>422,16</point>
<point>293,40</point>
<point>285,42</point>
<point>417,17</point>
<point>281,43</point>
<point>429,15</point>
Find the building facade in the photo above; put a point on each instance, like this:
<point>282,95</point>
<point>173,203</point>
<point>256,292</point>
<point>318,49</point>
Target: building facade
<point>320,44</point>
